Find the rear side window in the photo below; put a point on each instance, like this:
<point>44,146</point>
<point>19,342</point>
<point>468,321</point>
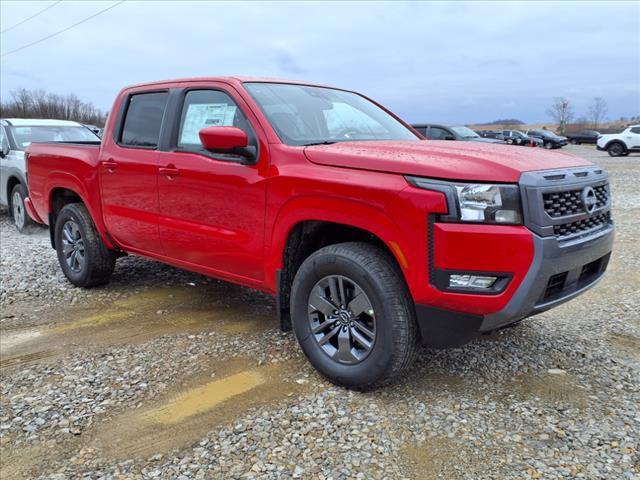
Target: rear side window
<point>143,119</point>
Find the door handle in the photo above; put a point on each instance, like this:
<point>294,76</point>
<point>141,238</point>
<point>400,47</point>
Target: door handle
<point>169,171</point>
<point>110,165</point>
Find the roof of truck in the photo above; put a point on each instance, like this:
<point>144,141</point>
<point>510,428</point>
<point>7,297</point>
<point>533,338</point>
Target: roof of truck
<point>229,79</point>
<point>40,122</point>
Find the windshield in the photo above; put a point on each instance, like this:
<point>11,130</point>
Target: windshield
<point>303,115</point>
<point>50,133</point>
<point>465,132</point>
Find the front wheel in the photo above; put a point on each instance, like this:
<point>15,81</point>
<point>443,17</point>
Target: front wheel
<point>353,315</point>
<point>84,258</point>
<point>574,142</point>
<point>21,218</point>
<point>616,149</point>
<point>548,145</point>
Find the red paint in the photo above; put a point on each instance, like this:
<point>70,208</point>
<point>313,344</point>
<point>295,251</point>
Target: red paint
<point>231,221</point>
<point>214,138</point>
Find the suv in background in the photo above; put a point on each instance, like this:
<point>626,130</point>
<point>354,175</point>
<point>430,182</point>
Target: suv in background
<point>621,144</point>
<point>516,137</point>
<point>441,132</point>
<point>584,136</point>
<point>16,134</point>
<point>550,140</point>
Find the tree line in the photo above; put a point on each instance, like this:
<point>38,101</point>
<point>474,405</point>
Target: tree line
<point>562,112</point>
<point>42,104</point>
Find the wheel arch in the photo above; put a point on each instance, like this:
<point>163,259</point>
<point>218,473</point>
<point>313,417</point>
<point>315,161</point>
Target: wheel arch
<point>616,140</point>
<point>295,240</point>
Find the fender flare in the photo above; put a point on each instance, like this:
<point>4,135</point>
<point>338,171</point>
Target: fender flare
<point>66,180</point>
<point>351,213</point>
<point>616,140</point>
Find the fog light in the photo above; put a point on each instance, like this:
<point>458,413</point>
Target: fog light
<point>471,281</point>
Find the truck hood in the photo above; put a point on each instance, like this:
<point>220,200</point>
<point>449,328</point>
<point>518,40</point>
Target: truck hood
<point>442,159</point>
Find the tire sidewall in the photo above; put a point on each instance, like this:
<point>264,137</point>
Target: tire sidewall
<point>70,212</point>
<point>22,191</point>
<point>380,358</point>
<point>612,153</point>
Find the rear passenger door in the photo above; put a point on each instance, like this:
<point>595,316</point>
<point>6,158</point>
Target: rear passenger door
<point>129,173</point>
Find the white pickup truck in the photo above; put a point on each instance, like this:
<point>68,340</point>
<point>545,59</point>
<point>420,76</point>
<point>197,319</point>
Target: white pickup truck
<point>621,144</point>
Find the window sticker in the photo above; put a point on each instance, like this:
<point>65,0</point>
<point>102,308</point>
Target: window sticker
<point>200,115</point>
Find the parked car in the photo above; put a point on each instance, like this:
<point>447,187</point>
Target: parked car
<point>549,139</point>
<point>516,137</point>
<point>621,144</point>
<point>16,134</point>
<point>368,238</point>
<point>95,129</point>
<point>489,134</point>
<point>442,132</point>
<point>584,136</point>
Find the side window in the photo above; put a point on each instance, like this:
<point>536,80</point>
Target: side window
<point>437,133</point>
<point>4,141</point>
<point>421,130</point>
<point>208,108</point>
<point>635,130</point>
<point>143,119</point>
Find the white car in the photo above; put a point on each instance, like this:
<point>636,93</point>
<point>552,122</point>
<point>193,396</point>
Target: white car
<point>16,134</point>
<point>623,143</point>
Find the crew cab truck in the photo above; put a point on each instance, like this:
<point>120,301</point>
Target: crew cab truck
<point>371,239</point>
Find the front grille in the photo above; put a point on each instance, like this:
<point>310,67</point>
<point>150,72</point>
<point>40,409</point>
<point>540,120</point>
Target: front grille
<point>569,202</point>
<point>581,226</point>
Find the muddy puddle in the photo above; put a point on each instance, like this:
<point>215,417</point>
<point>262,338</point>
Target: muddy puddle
<point>135,319</point>
<point>629,345</point>
<point>550,388</point>
<point>187,414</point>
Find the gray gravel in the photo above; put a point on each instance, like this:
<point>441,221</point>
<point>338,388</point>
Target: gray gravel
<point>84,371</point>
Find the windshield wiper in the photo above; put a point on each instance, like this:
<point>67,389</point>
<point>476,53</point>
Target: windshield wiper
<point>318,143</point>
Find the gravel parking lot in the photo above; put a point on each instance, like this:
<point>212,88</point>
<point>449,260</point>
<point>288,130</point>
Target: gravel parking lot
<point>168,374</point>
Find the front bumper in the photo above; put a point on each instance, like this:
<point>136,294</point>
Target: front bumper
<point>558,273</point>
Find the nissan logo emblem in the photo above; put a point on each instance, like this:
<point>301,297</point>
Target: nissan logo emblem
<point>589,199</point>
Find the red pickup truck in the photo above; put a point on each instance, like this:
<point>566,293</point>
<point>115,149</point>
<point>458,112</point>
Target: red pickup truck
<point>371,238</point>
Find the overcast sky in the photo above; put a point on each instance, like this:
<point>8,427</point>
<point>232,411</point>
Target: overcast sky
<point>448,62</point>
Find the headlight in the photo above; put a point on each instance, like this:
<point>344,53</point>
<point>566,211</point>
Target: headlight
<point>477,202</point>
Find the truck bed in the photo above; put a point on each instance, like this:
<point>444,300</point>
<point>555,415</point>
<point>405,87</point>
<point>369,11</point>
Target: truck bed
<point>63,165</point>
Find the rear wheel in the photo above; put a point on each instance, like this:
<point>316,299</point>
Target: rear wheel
<point>21,218</point>
<point>84,258</point>
<point>616,149</point>
<point>353,315</point>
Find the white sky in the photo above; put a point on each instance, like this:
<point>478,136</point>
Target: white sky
<point>450,62</point>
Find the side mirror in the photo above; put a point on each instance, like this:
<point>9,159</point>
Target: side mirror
<point>449,137</point>
<point>4,151</point>
<point>228,140</point>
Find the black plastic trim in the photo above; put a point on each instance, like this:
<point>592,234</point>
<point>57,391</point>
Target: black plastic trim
<point>441,328</point>
<point>441,281</point>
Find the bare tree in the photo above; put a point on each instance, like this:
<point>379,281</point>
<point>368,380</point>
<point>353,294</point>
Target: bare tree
<point>597,111</point>
<point>562,112</point>
<point>41,104</point>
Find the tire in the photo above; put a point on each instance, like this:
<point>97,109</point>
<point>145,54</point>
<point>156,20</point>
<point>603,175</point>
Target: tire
<point>548,145</point>
<point>21,219</point>
<point>389,315</point>
<point>75,232</point>
<point>574,142</point>
<point>509,141</point>
<point>616,149</point>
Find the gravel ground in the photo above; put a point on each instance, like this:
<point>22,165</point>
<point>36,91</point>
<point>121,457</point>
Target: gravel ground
<point>167,374</point>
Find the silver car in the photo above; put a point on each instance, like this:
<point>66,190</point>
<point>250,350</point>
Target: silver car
<point>16,134</point>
